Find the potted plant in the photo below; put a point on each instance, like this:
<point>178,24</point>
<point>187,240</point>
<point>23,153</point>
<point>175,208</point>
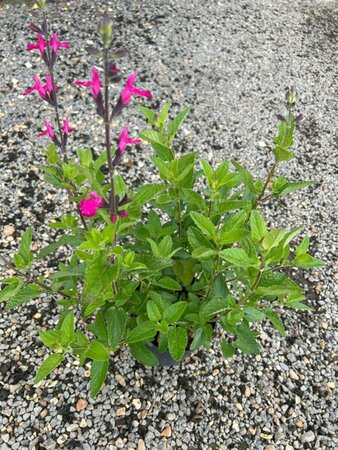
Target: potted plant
<point>155,279</point>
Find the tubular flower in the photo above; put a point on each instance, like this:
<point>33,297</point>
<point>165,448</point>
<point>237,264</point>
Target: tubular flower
<point>45,91</point>
<point>130,89</point>
<point>66,127</point>
<point>89,206</point>
<point>95,83</point>
<point>56,44</point>
<point>48,131</point>
<point>124,140</point>
<point>41,45</point>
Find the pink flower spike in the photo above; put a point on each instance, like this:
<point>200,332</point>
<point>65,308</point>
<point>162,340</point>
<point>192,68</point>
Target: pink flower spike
<point>124,140</point>
<point>95,83</point>
<point>41,45</point>
<point>113,218</point>
<point>49,85</point>
<point>48,131</point>
<point>89,206</point>
<point>66,127</point>
<point>113,69</point>
<point>56,44</point>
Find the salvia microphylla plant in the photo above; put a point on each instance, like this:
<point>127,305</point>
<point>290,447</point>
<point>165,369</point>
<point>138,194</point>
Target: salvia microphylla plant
<point>202,255</point>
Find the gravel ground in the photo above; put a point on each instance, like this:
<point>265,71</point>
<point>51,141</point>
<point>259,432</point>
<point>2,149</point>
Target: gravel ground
<point>231,60</point>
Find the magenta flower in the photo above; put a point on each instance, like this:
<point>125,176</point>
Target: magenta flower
<point>89,206</point>
<point>56,44</point>
<point>130,89</point>
<point>124,140</point>
<point>49,130</point>
<point>123,214</point>
<point>41,45</point>
<point>95,83</point>
<point>43,90</point>
<point>66,127</point>
<point>113,218</point>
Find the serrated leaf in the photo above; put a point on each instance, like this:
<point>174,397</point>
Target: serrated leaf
<point>24,246</point>
<point>143,355</point>
<point>229,237</point>
<point>246,341</point>
<point>144,331</point>
<point>174,312</point>
<point>153,312</point>
<point>238,257</point>
<point>203,253</point>
<point>23,296</point>
<point>67,329</point>
<point>177,342</point>
<point>253,314</point>
<point>116,322</point>
<point>184,270</point>
<point>48,366</point>
<point>214,307</point>
<point>303,246</point>
<point>149,114</point>
<point>258,227</point>
<point>163,116</point>
<point>168,283</point>
<point>153,137</point>
<point>228,350</point>
<point>147,193</point>
<point>50,338</point>
<point>10,290</point>
<point>97,351</point>
<point>98,374</point>
<point>204,224</point>
<point>275,320</point>
<point>306,261</point>
<point>66,239</point>
<point>282,154</point>
<point>208,172</point>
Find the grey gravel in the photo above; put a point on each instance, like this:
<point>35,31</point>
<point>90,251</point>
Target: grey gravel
<point>231,60</point>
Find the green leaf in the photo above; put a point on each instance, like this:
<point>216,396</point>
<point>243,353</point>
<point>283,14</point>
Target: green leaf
<point>174,312</point>
<point>245,340</point>
<point>204,224</point>
<point>176,124</point>
<point>282,187</point>
<point>143,355</point>
<point>184,270</point>
<point>99,328</point>
<point>238,257</point>
<point>66,239</point>
<point>50,339</point>
<point>153,312</point>
<point>298,305</point>
<point>24,247</point>
<point>48,366</point>
<point>67,329</point>
<point>23,296</point>
<point>163,116</point>
<point>164,168</point>
<point>208,173</point>
<point>228,350</point>
<point>258,227</point>
<point>229,237</point>
<point>153,137</point>
<point>277,290</point>
<point>203,253</point>
<point>177,342</point>
<point>282,154</point>
<point>165,246</point>
<point>97,351</point>
<point>85,156</point>
<point>275,320</point>
<point>98,374</point>
<point>253,314</point>
<point>163,152</point>
<point>197,239</point>
<point>303,246</point>
<point>143,332</point>
<point>306,261</point>
<point>116,322</point>
<point>147,193</point>
<point>214,307</point>
<point>52,154</point>
<point>149,114</point>
<point>10,290</point>
<point>168,283</point>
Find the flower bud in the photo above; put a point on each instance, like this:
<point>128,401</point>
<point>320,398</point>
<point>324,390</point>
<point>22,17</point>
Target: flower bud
<point>42,4</point>
<point>106,30</point>
<point>291,96</point>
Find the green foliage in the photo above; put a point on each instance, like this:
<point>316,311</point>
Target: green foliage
<point>194,251</point>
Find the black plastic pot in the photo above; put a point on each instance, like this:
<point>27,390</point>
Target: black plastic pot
<point>165,360</point>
